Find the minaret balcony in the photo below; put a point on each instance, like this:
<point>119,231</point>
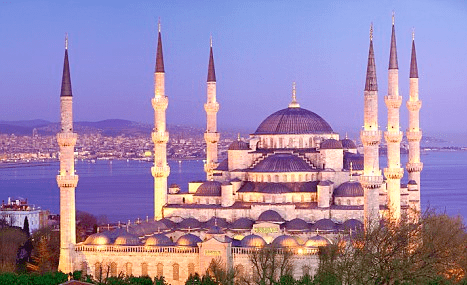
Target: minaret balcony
<point>370,138</point>
<point>394,173</point>
<point>67,139</point>
<point>414,167</point>
<point>212,137</point>
<point>414,136</point>
<point>160,171</point>
<point>211,107</point>
<point>393,102</point>
<point>414,106</point>
<point>371,182</point>
<point>393,136</point>
<point>160,103</point>
<point>160,137</point>
<point>67,181</point>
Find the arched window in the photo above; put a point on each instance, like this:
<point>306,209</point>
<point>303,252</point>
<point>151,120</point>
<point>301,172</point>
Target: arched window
<point>129,269</point>
<point>160,270</point>
<point>98,271</point>
<point>269,178</point>
<point>300,142</point>
<point>358,201</point>
<point>191,269</point>
<point>284,178</point>
<point>113,269</point>
<point>84,268</point>
<point>291,143</point>
<point>281,142</point>
<point>292,178</point>
<point>300,178</point>
<point>348,202</point>
<point>144,269</point>
<point>310,143</point>
<point>302,199</point>
<point>271,143</point>
<point>176,271</point>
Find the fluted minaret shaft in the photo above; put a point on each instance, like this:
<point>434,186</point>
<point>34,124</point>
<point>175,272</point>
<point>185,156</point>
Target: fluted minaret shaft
<point>393,135</point>
<point>371,179</point>
<point>67,180</point>
<point>211,136</point>
<point>414,133</point>
<point>160,136</point>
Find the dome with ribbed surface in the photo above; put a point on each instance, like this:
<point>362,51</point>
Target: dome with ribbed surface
<point>242,224</point>
<point>270,216</point>
<point>253,241</point>
<point>239,145</point>
<point>159,240</point>
<point>188,240</point>
<point>317,241</point>
<point>348,144</point>
<point>284,241</point>
<point>331,144</point>
<point>349,189</point>
<point>297,225</point>
<point>324,225</point>
<point>282,162</point>
<point>209,188</point>
<point>293,121</point>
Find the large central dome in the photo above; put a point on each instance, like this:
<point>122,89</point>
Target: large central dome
<point>293,121</point>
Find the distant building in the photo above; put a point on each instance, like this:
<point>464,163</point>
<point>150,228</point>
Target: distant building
<point>15,211</point>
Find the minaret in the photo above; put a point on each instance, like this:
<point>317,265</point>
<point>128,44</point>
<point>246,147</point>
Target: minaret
<point>393,135</point>
<point>414,133</point>
<point>211,136</point>
<point>160,170</point>
<point>67,179</point>
<point>371,179</point>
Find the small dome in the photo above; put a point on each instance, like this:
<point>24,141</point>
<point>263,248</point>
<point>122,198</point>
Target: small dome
<point>216,221</point>
<point>349,189</point>
<point>348,144</point>
<point>317,241</point>
<point>331,144</point>
<point>412,182</point>
<point>253,241</point>
<point>324,225</point>
<point>293,121</point>
<point>275,188</point>
<point>285,241</point>
<point>159,240</point>
<point>209,188</point>
<point>352,224</point>
<point>215,230</point>
<point>270,216</point>
<point>297,225</point>
<point>242,224</point>
<point>98,239</point>
<point>189,224</point>
<point>127,239</point>
<point>239,145</point>
<point>282,162</point>
<point>168,223</point>
<point>188,240</point>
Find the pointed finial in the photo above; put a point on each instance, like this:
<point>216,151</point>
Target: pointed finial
<point>413,33</point>
<point>294,103</point>
<point>66,40</point>
<point>346,137</point>
<point>159,25</point>
<point>371,31</point>
<point>215,221</point>
<point>238,136</point>
<point>210,40</point>
<point>393,16</point>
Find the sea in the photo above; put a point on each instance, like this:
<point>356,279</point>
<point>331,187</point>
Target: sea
<point>121,190</point>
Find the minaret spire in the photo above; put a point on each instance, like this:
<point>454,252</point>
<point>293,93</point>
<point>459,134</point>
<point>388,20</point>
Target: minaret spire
<point>371,179</point>
<point>67,180</point>
<point>413,60</point>
<point>393,51</point>
<point>161,170</point>
<point>211,136</point>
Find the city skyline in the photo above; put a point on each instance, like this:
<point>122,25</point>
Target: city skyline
<point>259,50</point>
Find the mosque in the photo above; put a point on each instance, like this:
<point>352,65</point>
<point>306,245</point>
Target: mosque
<point>295,184</point>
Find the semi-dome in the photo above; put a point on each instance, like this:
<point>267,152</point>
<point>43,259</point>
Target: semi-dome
<point>348,144</point>
<point>189,224</point>
<point>159,240</point>
<point>293,121</point>
<point>324,225</point>
<point>209,188</point>
<point>331,144</point>
<point>297,225</point>
<point>285,241</point>
<point>242,224</point>
<point>282,162</point>
<point>275,188</point>
<point>127,239</point>
<point>98,239</point>
<point>253,241</point>
<point>270,216</point>
<point>188,240</point>
<point>239,145</point>
<point>317,241</point>
<point>349,189</point>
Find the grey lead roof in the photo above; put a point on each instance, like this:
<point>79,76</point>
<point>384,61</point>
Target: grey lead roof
<point>211,70</point>
<point>159,56</point>
<point>293,121</point>
<point>413,62</point>
<point>282,162</point>
<point>66,79</point>
<point>371,83</point>
<point>393,52</point>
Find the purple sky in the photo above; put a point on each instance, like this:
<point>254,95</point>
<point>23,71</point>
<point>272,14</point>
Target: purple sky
<point>260,48</point>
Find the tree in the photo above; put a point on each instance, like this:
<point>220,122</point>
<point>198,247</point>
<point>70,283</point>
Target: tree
<point>270,263</point>
<point>26,226</point>
<point>46,251</point>
<point>85,223</point>
<point>11,239</point>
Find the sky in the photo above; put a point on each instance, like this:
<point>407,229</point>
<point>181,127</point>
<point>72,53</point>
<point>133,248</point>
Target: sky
<point>260,48</point>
